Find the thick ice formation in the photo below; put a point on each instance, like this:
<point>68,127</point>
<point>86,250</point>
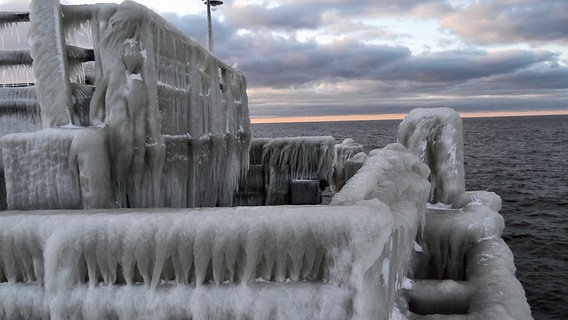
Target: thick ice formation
<point>50,63</point>
<point>435,135</point>
<point>353,164</point>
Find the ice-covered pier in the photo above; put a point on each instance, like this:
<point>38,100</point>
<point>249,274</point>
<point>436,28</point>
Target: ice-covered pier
<point>131,189</point>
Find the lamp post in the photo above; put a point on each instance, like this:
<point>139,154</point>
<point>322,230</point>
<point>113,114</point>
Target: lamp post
<point>214,4</point>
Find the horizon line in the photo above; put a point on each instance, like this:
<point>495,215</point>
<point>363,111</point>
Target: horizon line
<point>399,116</point>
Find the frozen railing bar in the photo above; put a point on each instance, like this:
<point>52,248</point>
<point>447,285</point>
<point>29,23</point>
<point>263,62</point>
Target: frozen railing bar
<point>397,180</point>
<point>49,63</point>
<point>78,54</point>
<point>23,57</point>
<point>192,249</point>
<point>13,17</point>
<point>15,57</point>
<point>285,301</point>
<point>490,291</point>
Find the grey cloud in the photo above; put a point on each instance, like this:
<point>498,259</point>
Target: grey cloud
<point>288,63</point>
<point>510,21</point>
<point>452,66</point>
<point>281,17</point>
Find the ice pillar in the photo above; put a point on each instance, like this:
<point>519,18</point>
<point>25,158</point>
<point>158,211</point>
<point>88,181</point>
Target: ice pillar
<point>48,51</point>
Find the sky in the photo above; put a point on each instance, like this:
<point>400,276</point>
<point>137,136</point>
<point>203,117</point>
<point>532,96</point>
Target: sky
<point>338,58</point>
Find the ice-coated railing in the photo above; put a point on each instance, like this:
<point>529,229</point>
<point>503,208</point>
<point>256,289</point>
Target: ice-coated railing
<point>276,252</point>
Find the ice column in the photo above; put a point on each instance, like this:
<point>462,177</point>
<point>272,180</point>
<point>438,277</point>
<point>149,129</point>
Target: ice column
<point>49,55</point>
<point>435,135</point>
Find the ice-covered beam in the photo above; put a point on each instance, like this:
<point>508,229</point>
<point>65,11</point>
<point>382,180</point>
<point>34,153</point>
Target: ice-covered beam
<point>16,57</point>
<point>491,291</point>
<point>435,135</point>
<point>13,17</point>
<point>49,53</point>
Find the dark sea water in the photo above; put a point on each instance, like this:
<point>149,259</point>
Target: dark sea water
<point>522,159</point>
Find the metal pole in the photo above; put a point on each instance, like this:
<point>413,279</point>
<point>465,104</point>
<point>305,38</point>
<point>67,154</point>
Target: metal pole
<point>209,29</point>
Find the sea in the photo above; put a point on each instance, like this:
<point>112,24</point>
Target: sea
<point>522,159</point>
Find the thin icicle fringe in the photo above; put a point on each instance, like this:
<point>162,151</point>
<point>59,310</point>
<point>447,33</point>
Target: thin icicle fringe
<point>17,74</point>
<point>300,158</point>
<point>307,158</point>
<point>77,24</point>
<point>171,250</point>
<point>203,172</point>
<point>13,25</point>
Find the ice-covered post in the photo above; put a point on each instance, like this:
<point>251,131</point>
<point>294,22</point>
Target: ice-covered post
<point>435,135</point>
<point>49,54</point>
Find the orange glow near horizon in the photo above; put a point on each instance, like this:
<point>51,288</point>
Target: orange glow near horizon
<point>400,116</point>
